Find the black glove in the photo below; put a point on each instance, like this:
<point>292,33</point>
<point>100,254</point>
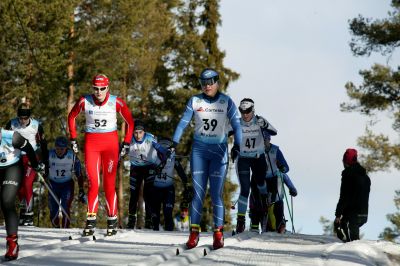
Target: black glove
<point>41,169</point>
<point>170,152</point>
<point>81,196</point>
<point>235,152</point>
<point>293,192</point>
<point>124,149</point>
<point>74,146</point>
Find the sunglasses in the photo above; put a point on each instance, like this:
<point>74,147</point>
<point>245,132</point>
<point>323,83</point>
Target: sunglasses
<point>99,88</point>
<point>207,82</point>
<point>23,117</point>
<point>245,112</point>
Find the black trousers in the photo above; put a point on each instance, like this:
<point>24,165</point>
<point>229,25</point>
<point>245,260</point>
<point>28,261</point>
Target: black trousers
<point>351,226</point>
<point>139,174</point>
<point>11,178</point>
<point>164,196</point>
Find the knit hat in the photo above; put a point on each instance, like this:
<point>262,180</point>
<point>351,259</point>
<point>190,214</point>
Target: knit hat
<point>350,156</point>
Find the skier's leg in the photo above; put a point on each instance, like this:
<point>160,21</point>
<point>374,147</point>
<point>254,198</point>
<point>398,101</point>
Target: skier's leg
<point>168,208</point>
<point>243,171</point>
<point>156,201</point>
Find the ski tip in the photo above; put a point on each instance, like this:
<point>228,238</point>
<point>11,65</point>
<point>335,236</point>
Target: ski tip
<point>204,252</point>
<point>177,251</point>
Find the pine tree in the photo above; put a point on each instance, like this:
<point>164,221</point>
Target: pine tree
<point>380,91</point>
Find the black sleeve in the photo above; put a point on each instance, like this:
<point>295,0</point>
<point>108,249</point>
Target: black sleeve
<point>230,133</point>
<point>8,125</point>
<point>344,195</point>
<point>21,143</point>
<point>43,145</point>
<point>179,169</point>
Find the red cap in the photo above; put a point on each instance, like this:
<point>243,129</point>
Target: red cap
<point>100,81</point>
<point>350,156</point>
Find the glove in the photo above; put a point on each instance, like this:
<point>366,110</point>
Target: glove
<point>262,122</point>
<point>41,169</point>
<point>170,152</point>
<point>124,149</point>
<point>74,146</point>
<point>235,152</point>
<point>81,196</point>
<point>293,192</point>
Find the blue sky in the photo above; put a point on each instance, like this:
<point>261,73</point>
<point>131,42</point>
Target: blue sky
<point>294,59</point>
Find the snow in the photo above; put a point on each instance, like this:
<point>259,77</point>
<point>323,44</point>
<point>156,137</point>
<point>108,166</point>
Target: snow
<point>44,246</point>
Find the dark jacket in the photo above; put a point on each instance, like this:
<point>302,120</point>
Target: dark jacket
<point>354,192</point>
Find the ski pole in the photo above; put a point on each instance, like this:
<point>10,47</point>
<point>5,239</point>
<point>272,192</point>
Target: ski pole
<point>39,207</point>
<point>53,195</point>
<point>291,199</point>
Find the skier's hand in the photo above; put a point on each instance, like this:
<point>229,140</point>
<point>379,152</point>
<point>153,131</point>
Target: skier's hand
<point>41,169</point>
<point>74,146</point>
<point>81,196</point>
<point>262,122</point>
<point>124,149</point>
<point>293,192</point>
<point>235,152</point>
<point>170,152</point>
<point>337,220</point>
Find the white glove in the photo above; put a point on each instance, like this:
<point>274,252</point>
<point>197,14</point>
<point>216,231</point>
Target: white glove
<point>74,146</point>
<point>40,168</point>
<point>124,149</point>
<point>263,123</point>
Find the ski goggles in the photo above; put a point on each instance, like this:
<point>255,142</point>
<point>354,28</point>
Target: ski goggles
<point>208,82</point>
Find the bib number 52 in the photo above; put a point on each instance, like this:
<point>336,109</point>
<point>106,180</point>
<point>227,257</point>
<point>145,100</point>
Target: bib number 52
<point>100,123</point>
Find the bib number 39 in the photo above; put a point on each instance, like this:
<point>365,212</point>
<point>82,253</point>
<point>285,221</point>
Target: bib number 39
<point>210,124</point>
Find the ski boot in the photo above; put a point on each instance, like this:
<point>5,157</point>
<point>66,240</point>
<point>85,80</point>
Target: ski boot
<point>218,237</point>
<point>12,248</point>
<point>22,216</point>
<point>282,228</point>
<point>131,221</point>
<point>28,219</point>
<point>112,224</point>
<point>240,223</point>
<point>254,228</point>
<point>193,237</point>
<point>148,223</point>
<point>90,225</point>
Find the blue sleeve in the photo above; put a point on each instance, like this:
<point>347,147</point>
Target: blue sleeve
<point>281,162</point>
<point>184,122</point>
<point>159,148</point>
<point>234,118</point>
<point>288,182</point>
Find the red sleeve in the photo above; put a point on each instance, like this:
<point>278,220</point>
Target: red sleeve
<point>123,109</point>
<point>78,107</point>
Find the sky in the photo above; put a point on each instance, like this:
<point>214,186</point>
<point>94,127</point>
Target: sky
<point>294,60</point>
<point>51,246</point>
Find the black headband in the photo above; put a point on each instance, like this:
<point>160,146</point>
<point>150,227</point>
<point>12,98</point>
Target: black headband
<point>24,112</point>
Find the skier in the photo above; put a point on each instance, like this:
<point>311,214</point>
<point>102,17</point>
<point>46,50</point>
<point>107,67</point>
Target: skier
<point>251,157</point>
<point>212,112</point>
<point>63,164</point>
<point>352,208</point>
<point>144,152</point>
<point>101,146</point>
<point>11,175</point>
<point>164,189</point>
<point>277,168</point>
<point>32,130</point>
<point>182,219</point>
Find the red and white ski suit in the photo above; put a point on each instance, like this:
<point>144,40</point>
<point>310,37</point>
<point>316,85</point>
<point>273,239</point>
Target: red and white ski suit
<point>101,145</point>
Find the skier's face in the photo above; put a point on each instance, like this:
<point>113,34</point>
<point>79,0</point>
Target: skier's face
<point>100,92</point>
<point>138,134</point>
<point>210,90</point>
<point>23,120</point>
<point>60,151</point>
<point>247,117</point>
